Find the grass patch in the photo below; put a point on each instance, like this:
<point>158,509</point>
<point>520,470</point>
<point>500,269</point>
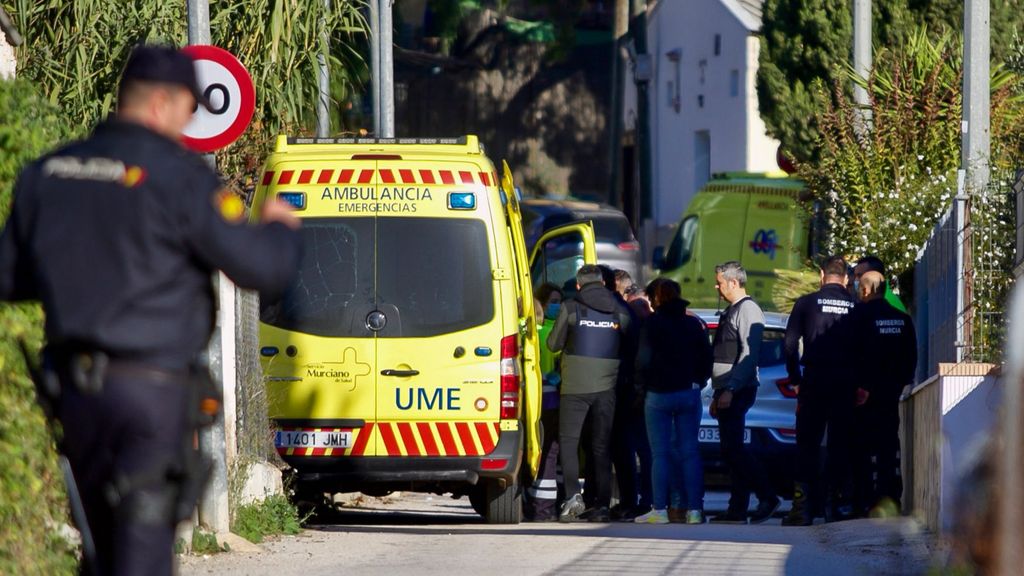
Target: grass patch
<point>203,543</point>
<point>275,515</point>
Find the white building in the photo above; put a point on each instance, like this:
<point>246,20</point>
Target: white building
<point>703,102</point>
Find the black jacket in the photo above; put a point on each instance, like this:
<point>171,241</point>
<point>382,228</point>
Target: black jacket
<point>118,235</point>
<point>674,351</point>
<point>595,330</point>
<point>819,319</point>
<point>884,341</point>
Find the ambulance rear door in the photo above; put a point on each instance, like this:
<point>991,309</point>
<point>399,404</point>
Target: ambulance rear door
<point>439,331</point>
<point>319,351</point>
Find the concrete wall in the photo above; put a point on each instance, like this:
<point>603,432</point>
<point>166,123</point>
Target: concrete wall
<point>8,64</point>
<point>945,421</point>
<point>716,94</point>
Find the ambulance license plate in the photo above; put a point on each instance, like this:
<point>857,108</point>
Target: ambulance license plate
<point>311,439</point>
<point>709,435</point>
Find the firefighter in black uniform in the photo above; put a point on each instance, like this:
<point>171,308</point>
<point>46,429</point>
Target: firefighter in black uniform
<point>883,338</point>
<point>826,395</point>
<point>118,235</point>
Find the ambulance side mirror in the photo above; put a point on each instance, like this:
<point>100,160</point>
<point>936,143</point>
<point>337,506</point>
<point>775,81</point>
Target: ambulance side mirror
<point>658,259</point>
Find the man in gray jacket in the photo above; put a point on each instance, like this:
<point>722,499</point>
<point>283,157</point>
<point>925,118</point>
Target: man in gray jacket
<point>593,330</point>
<point>737,347</point>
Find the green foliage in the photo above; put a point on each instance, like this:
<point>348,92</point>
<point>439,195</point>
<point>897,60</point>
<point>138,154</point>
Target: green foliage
<point>792,284</point>
<point>807,41</point>
<point>275,515</point>
<point>32,501</point>
<point>882,191</point>
<point>203,543</point>
<point>802,41</point>
<point>75,51</point>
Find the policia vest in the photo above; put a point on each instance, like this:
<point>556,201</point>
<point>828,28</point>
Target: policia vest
<point>590,362</point>
<point>596,334</point>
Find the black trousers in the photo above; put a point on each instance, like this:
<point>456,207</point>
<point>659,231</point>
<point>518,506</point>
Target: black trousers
<point>876,452</point>
<point>573,412</point>
<point>133,428</point>
<point>543,495</point>
<point>824,404</point>
<point>746,472</point>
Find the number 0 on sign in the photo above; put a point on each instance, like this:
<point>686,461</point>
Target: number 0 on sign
<point>229,88</point>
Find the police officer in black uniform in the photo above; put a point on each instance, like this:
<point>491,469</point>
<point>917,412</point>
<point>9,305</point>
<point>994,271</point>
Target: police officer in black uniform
<point>884,339</point>
<point>119,235</point>
<point>826,394</point>
<point>593,330</point>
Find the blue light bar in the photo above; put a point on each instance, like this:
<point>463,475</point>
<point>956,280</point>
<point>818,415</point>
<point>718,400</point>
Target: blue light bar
<point>296,199</point>
<point>461,201</point>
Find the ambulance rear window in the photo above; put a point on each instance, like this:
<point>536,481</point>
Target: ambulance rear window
<point>429,276</point>
<point>334,289</point>
<point>436,272</point>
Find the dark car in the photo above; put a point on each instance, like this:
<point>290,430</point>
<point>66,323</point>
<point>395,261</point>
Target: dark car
<point>771,422</point>
<point>617,246</point>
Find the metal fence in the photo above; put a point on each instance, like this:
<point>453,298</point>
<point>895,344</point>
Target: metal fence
<point>962,279</point>
<point>253,428</point>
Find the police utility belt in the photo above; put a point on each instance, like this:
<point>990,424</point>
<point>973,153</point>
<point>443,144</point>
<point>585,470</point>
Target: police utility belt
<point>87,369</point>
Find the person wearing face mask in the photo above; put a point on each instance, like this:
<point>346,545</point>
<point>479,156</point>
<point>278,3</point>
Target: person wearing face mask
<point>542,496</point>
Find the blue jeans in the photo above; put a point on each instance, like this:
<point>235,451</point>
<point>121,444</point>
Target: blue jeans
<point>675,462</point>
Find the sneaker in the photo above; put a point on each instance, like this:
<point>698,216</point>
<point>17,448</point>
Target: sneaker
<point>765,509</point>
<point>653,517</point>
<point>676,515</point>
<point>694,517</point>
<point>730,518</point>
<point>571,509</point>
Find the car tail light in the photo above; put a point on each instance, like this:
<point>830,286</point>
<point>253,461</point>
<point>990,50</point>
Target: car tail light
<point>631,246</point>
<point>510,377</point>
<point>785,388</point>
<point>786,432</point>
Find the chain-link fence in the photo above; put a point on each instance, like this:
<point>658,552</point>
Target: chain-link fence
<point>253,428</point>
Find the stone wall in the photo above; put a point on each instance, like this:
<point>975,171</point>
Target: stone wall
<point>549,119</point>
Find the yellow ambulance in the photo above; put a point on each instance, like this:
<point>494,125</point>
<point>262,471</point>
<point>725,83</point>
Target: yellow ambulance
<point>405,354</point>
<point>753,218</point>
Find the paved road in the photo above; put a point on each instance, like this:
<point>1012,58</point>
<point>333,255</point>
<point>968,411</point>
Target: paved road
<point>420,534</point>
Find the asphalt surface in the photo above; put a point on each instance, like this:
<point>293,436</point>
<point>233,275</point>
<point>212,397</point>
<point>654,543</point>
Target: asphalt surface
<point>422,534</point>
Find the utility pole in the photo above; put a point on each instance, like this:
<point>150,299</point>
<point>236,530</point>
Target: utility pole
<point>214,506</point>
<point>974,152</point>
<point>323,113</point>
<point>862,56</point>
<point>642,77</point>
<point>619,30</point>
<point>382,69</point>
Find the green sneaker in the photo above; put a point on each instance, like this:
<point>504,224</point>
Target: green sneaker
<point>694,517</point>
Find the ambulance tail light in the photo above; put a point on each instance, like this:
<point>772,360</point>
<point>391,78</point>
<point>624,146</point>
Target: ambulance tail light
<point>785,388</point>
<point>510,372</point>
<point>631,246</point>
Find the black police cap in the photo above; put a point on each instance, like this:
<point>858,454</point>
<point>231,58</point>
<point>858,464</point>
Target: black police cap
<point>167,65</point>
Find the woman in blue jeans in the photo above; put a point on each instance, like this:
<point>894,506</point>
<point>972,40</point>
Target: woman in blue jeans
<point>673,364</point>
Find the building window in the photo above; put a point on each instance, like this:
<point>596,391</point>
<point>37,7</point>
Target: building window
<point>718,44</point>
<point>674,101</point>
<point>701,158</point>
<point>734,83</point>
<point>700,100</point>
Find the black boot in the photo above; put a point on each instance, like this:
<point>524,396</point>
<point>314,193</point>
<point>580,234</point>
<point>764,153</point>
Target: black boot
<point>800,514</point>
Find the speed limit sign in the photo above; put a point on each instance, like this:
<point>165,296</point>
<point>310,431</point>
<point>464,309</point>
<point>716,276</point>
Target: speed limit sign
<point>229,89</point>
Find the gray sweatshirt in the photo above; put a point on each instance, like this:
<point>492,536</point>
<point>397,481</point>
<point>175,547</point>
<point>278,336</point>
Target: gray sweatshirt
<point>737,346</point>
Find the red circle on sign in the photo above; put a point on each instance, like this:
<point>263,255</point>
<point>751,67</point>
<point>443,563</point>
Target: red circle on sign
<point>247,104</point>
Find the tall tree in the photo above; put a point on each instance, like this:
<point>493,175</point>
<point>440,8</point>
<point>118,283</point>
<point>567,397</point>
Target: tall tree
<point>803,41</point>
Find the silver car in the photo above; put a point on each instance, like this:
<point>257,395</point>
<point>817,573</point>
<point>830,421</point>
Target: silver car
<point>771,422</point>
<point>617,246</point>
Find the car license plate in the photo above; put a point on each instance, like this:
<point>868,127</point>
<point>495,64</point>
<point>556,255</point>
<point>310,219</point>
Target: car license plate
<point>709,435</point>
<point>313,439</point>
